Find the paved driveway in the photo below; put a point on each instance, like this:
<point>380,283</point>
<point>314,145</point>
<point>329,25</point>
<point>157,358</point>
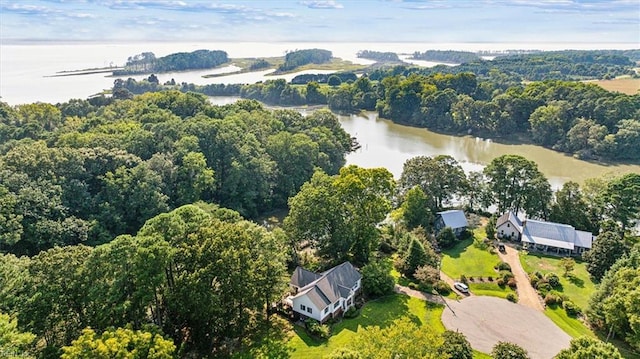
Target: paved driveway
<point>488,320</point>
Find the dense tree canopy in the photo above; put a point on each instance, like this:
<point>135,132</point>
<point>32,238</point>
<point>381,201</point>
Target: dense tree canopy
<point>589,348</point>
<point>106,169</point>
<point>119,343</point>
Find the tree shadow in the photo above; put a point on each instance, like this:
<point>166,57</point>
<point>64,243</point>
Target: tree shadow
<point>306,338</point>
<point>458,249</point>
<point>578,282</point>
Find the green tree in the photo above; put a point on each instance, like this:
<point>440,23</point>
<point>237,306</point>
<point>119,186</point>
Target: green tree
<point>12,340</point>
<point>415,257</point>
<point>120,343</point>
<point>343,353</point>
<point>446,238</point>
<point>548,124</point>
<point>605,251</point>
<point>340,214</point>
<point>456,345</point>
<point>568,264</point>
<point>193,178</point>
<point>334,81</point>
<point>403,338</point>
<point>517,184</point>
<point>504,350</point>
<point>440,178</point>
<point>415,209</point>
<point>589,348</point>
<point>570,207</point>
<point>621,199</point>
<point>377,280</point>
<point>490,228</point>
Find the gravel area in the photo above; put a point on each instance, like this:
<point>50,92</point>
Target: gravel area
<point>488,320</point>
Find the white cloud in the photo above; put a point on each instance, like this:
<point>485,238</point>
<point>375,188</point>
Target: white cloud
<point>322,4</point>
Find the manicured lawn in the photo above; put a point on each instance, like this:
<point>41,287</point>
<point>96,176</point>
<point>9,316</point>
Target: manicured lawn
<point>480,355</point>
<point>579,288</point>
<point>380,312</point>
<point>572,326</point>
<point>465,258</point>
<point>490,289</point>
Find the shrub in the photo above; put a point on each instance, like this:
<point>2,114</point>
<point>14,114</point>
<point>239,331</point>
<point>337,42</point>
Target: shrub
<point>544,288</point>
<point>500,282</point>
<point>463,279</point>
<point>427,275</point>
<point>414,286</point>
<point>506,275</point>
<point>318,330</point>
<point>503,266</point>
<point>512,282</point>
<point>538,274</point>
<point>470,278</point>
<point>552,299</point>
<point>553,280</point>
<point>534,281</point>
<point>490,278</point>
<point>442,287</point>
<point>351,313</point>
<point>480,244</point>
<point>571,309</point>
<point>512,297</point>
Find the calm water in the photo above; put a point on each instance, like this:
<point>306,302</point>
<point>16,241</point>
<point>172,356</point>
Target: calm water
<point>24,69</point>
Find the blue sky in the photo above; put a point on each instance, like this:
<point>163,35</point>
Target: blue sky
<point>571,21</point>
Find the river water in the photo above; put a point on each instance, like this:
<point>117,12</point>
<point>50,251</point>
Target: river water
<point>25,69</point>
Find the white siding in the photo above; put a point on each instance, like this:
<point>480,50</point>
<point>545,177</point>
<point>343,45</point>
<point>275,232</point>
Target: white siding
<point>507,230</point>
<point>303,300</point>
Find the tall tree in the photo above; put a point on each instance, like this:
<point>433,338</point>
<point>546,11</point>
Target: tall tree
<point>605,251</point>
<point>570,207</point>
<point>440,178</point>
<point>340,214</point>
<point>504,350</point>
<point>415,209</point>
<point>517,184</point>
<point>621,199</point>
<point>13,342</point>
<point>119,343</point>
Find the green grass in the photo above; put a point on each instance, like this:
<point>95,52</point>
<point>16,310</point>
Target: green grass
<point>381,312</point>
<point>578,288</point>
<point>572,326</point>
<point>480,355</point>
<point>490,289</point>
<point>465,258</point>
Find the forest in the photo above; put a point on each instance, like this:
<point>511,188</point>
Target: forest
<point>299,58</point>
<point>146,62</point>
<point>568,116</point>
<point>129,219</point>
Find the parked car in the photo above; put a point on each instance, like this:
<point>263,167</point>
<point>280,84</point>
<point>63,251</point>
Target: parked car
<point>461,287</point>
<point>501,248</point>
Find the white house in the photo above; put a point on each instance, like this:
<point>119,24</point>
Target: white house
<point>509,226</point>
<point>452,218</point>
<point>324,295</point>
<point>544,236</point>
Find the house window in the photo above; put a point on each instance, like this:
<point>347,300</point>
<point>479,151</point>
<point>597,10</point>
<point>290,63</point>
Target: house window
<point>326,310</point>
<point>302,307</point>
<point>508,225</point>
<point>309,310</point>
<point>336,304</point>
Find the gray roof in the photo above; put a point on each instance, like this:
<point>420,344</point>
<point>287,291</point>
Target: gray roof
<point>454,218</point>
<point>302,277</point>
<point>509,216</point>
<point>584,239</point>
<point>328,286</point>
<point>549,234</point>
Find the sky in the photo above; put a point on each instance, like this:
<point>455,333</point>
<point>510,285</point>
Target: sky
<point>438,21</point>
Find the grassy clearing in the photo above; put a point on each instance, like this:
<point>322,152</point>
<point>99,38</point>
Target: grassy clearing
<point>579,287</point>
<point>626,85</point>
<point>465,258</point>
<point>490,289</point>
<point>381,312</point>
<point>480,355</point>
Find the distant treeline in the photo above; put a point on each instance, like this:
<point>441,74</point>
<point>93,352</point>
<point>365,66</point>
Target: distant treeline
<point>448,56</point>
<point>323,78</point>
<point>378,56</point>
<point>551,65</point>
<point>299,58</point>
<point>148,63</point>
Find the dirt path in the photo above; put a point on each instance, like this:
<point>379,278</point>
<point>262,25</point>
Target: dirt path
<point>418,294</point>
<point>527,295</point>
<point>488,320</point>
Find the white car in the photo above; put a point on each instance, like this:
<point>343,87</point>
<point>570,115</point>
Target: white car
<point>461,287</point>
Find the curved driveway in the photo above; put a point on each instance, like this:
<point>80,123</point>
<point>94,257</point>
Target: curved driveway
<point>487,320</point>
<point>527,295</point>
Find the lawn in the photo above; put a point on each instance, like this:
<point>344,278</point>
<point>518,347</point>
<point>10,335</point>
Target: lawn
<point>465,258</point>
<point>572,326</point>
<point>490,289</point>
<point>380,312</point>
<point>579,288</point>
